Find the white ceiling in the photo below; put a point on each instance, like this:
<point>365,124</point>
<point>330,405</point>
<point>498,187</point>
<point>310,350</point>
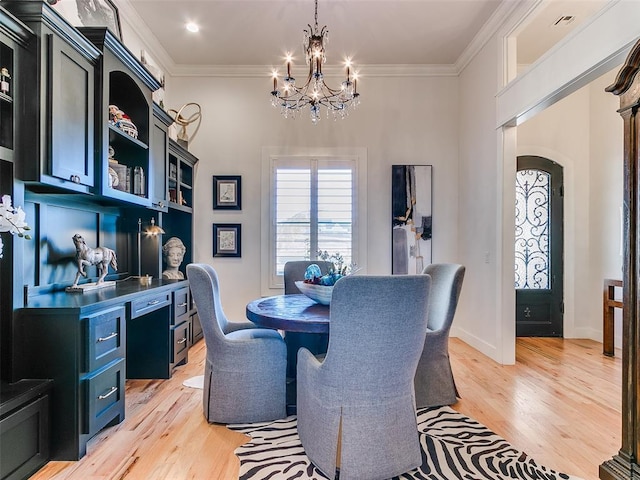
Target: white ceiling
<point>259,32</point>
<point>540,33</point>
<point>371,32</point>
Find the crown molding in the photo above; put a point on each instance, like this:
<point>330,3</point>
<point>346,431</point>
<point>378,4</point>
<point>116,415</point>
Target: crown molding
<point>240,71</point>
<point>408,70</point>
<point>136,23</point>
<point>488,30</point>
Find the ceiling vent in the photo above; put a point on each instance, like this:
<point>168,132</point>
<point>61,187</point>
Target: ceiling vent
<point>564,20</point>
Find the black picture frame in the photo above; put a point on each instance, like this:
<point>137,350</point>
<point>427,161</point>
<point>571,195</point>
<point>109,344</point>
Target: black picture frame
<point>227,240</point>
<point>227,192</point>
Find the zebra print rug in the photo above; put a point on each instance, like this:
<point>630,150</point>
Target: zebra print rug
<point>453,447</point>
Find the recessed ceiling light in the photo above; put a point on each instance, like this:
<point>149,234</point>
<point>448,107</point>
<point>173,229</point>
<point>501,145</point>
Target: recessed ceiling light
<point>192,27</point>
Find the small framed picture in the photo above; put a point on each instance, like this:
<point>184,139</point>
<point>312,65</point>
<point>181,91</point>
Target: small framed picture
<point>227,239</point>
<point>227,192</point>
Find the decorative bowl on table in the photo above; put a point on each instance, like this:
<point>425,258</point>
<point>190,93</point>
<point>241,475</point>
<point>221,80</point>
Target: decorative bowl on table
<point>318,293</point>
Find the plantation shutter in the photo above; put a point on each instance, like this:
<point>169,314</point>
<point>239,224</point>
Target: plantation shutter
<point>314,204</point>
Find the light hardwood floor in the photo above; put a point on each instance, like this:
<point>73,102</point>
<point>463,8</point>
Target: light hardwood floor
<point>560,403</point>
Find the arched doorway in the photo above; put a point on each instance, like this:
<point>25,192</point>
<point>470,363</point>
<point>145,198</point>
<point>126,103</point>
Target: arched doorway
<point>538,248</point>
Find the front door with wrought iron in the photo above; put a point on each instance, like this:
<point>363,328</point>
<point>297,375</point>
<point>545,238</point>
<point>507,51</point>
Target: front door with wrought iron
<point>538,248</point>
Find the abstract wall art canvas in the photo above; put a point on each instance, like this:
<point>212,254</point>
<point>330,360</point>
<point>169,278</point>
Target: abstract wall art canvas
<point>411,218</point>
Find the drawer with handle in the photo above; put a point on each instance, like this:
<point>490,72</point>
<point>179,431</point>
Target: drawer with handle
<point>149,304</point>
<point>106,337</point>
<point>103,396</point>
<point>180,339</point>
<point>180,305</point>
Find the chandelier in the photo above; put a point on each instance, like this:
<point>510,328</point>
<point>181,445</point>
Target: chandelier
<point>315,93</point>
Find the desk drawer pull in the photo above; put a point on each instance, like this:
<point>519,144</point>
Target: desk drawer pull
<point>107,395</point>
<point>182,340</point>
<point>153,302</point>
<point>108,337</point>
<point>183,304</point>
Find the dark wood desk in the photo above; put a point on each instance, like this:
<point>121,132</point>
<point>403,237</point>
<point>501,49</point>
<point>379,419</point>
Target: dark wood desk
<point>291,313</point>
<point>306,324</point>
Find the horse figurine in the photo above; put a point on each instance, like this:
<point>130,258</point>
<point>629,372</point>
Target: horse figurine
<point>102,257</point>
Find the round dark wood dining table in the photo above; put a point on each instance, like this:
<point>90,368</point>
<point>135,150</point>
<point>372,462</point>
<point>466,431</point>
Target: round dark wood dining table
<point>291,313</point>
<point>306,323</point>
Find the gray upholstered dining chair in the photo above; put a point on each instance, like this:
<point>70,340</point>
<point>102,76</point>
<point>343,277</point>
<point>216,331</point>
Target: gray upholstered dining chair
<point>434,382</point>
<point>245,369</point>
<point>361,395</point>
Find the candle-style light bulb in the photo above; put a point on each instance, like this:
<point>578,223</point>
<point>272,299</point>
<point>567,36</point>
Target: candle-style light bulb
<point>289,58</point>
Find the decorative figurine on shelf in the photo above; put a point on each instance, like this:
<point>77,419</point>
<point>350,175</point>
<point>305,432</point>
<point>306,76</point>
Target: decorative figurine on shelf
<point>102,257</point>
<point>173,252</point>
<point>117,172</point>
<point>114,181</point>
<point>5,76</point>
<point>180,118</point>
<point>121,120</point>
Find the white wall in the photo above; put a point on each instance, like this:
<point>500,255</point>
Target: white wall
<point>583,133</point>
<point>487,167</point>
<point>587,53</point>
<point>607,176</point>
<point>401,120</point>
<point>447,122</point>
<point>478,241</point>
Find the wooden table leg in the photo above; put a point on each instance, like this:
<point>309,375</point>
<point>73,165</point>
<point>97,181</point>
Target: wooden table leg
<point>609,303</point>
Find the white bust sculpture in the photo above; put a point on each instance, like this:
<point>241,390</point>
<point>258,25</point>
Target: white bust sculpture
<point>173,252</point>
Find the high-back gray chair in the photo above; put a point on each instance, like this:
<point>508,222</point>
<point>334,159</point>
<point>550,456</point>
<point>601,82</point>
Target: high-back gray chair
<point>245,369</point>
<point>434,381</point>
<point>295,269</point>
<point>361,395</point>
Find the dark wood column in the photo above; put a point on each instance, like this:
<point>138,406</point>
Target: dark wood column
<point>624,465</point>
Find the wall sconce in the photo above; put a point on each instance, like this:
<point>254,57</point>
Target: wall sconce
<point>152,230</point>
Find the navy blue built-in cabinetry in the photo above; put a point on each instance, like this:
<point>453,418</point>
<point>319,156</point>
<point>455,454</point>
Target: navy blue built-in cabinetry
<point>15,38</point>
<point>75,168</point>
<point>92,342</point>
<point>124,83</point>
<point>24,405</point>
<point>58,149</point>
<point>24,427</point>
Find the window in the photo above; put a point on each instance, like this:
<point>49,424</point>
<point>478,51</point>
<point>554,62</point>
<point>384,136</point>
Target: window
<point>314,210</point>
<point>313,206</point>
<point>533,226</point>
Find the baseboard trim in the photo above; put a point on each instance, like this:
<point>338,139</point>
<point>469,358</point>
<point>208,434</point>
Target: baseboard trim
<point>619,468</point>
